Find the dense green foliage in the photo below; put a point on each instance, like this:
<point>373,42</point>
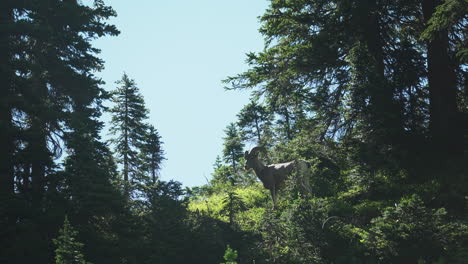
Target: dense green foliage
<point>230,256</point>
<point>233,146</point>
<point>254,121</point>
<point>68,248</point>
<point>373,94</point>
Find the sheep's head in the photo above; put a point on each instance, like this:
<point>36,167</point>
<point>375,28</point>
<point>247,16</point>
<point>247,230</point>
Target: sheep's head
<point>251,158</point>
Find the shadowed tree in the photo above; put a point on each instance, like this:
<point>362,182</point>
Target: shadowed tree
<point>232,204</point>
<point>152,153</point>
<point>128,127</point>
<point>254,121</point>
<point>46,69</point>
<point>446,55</point>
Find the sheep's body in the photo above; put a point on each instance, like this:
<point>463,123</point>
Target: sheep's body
<point>273,175</point>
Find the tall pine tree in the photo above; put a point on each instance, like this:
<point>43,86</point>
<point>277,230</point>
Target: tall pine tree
<point>128,127</point>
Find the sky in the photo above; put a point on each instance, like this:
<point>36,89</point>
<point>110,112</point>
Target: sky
<point>178,52</point>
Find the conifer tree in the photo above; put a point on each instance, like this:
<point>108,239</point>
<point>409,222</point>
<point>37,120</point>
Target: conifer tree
<point>46,75</point>
<point>152,153</point>
<point>128,127</point>
<point>57,76</point>
<point>232,204</point>
<point>89,168</point>
<point>221,173</point>
<point>444,35</point>
<point>233,146</point>
<point>253,120</point>
<point>68,248</point>
<point>230,256</point>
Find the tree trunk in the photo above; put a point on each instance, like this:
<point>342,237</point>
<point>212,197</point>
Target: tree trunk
<point>288,123</point>
<point>153,167</point>
<point>257,127</point>
<point>384,115</point>
<point>444,130</point>
<point>127,146</point>
<point>233,159</point>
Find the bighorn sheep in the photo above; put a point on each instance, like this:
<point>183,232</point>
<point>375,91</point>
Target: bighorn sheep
<point>273,175</point>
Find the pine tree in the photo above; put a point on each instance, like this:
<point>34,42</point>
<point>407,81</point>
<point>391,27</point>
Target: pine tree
<point>230,256</point>
<point>128,116</point>
<point>254,121</point>
<point>221,173</point>
<point>232,204</point>
<point>152,153</point>
<point>446,122</point>
<point>233,146</point>
<point>46,70</point>
<point>89,172</point>
<point>43,66</point>
<point>68,248</point>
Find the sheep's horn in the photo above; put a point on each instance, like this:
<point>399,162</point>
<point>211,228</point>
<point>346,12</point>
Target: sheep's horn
<point>256,149</point>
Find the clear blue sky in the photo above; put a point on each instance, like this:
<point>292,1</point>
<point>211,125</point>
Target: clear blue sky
<point>178,52</point>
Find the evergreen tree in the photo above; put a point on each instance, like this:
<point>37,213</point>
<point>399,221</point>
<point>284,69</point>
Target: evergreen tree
<point>128,116</point>
<point>46,67</point>
<point>254,121</point>
<point>90,185</point>
<point>232,204</point>
<point>221,173</point>
<point>233,146</point>
<point>152,153</point>
<point>230,256</point>
<point>68,248</point>
<point>444,37</point>
<point>165,227</point>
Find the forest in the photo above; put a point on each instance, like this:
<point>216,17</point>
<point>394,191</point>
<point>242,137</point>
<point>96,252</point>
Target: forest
<point>372,94</point>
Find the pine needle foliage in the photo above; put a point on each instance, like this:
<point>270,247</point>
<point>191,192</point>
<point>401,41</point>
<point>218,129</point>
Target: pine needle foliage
<point>68,248</point>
